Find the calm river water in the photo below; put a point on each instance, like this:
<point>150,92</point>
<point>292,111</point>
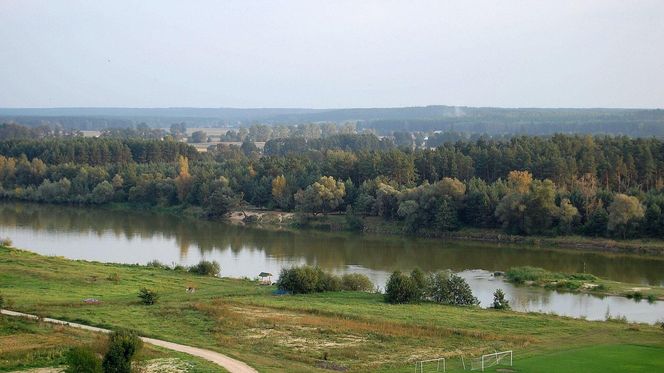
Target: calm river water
<point>138,237</point>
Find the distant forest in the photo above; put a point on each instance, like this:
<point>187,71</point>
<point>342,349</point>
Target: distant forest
<point>385,121</point>
<point>557,185</point>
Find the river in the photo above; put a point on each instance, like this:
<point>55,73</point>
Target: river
<point>138,237</point>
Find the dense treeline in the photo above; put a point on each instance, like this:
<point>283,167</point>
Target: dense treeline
<point>12,131</point>
<point>95,152</point>
<point>527,185</point>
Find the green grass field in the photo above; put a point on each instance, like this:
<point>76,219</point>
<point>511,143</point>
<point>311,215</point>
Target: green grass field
<point>304,333</point>
<point>27,344</point>
<point>600,359</point>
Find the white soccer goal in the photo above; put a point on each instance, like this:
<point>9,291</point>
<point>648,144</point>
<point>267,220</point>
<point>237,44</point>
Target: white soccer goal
<point>489,360</point>
<point>431,365</point>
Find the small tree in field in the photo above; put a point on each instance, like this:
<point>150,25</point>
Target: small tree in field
<point>448,288</point>
<point>148,297</point>
<point>82,360</point>
<point>499,301</point>
<point>122,346</point>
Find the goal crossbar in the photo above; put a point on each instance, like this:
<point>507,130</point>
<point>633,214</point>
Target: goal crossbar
<point>489,360</point>
<point>419,366</point>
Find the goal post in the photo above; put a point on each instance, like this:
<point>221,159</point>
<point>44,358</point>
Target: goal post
<point>430,364</point>
<point>489,360</point>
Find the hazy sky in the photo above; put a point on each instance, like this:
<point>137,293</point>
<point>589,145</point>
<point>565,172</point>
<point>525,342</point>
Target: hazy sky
<point>603,53</point>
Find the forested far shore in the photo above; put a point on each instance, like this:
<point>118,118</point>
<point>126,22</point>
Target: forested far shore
<point>385,121</point>
<point>594,186</point>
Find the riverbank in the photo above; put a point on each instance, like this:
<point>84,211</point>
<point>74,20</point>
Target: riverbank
<point>582,283</point>
<point>279,220</point>
<point>346,330</point>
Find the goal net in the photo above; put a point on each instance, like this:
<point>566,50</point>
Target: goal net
<point>489,360</point>
<point>431,365</point>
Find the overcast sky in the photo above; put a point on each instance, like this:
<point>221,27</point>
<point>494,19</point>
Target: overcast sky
<point>535,53</point>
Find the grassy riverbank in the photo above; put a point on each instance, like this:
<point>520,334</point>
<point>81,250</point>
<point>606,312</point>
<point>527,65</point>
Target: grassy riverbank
<point>345,330</point>
<point>582,283</point>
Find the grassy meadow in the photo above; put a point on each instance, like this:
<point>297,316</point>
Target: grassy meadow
<point>317,332</point>
<point>26,344</point>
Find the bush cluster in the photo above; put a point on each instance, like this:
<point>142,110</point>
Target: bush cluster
<point>308,279</point>
<point>82,359</point>
<point>440,287</point>
<point>122,347</point>
<point>206,268</point>
<point>148,296</point>
<point>203,268</point>
<point>356,282</point>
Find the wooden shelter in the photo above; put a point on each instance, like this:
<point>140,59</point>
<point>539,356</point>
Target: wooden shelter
<point>266,278</point>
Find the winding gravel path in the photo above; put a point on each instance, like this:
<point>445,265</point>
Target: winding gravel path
<point>230,364</point>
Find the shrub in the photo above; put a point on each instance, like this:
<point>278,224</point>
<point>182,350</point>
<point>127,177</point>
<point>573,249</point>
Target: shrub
<point>157,264</point>
<point>448,288</point>
<point>328,282</point>
<point>651,299</point>
<point>206,268</point>
<point>2,301</point>
<point>499,301</point>
<point>82,360</point>
<point>6,242</point>
<point>307,279</point>
<point>114,277</point>
<point>353,222</point>
<point>356,282</point>
<point>300,280</point>
<point>122,346</point>
<point>637,296</point>
<point>418,278</point>
<point>401,289</point>
<point>148,297</point>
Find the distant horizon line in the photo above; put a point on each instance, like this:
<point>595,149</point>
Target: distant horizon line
<point>326,108</point>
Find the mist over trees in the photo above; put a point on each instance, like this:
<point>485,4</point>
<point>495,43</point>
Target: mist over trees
<point>384,121</point>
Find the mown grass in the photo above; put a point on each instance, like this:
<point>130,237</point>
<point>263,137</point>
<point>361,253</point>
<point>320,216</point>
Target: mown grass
<point>581,282</point>
<point>600,359</point>
<point>302,333</point>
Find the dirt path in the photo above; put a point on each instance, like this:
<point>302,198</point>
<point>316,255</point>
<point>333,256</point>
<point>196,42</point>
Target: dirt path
<point>230,364</point>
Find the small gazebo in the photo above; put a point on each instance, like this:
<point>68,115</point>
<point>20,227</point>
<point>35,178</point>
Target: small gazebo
<point>266,278</point>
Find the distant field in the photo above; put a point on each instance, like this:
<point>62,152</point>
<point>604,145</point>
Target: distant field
<point>91,133</point>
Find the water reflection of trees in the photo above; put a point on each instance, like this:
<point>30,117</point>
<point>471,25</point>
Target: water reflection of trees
<point>329,250</point>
